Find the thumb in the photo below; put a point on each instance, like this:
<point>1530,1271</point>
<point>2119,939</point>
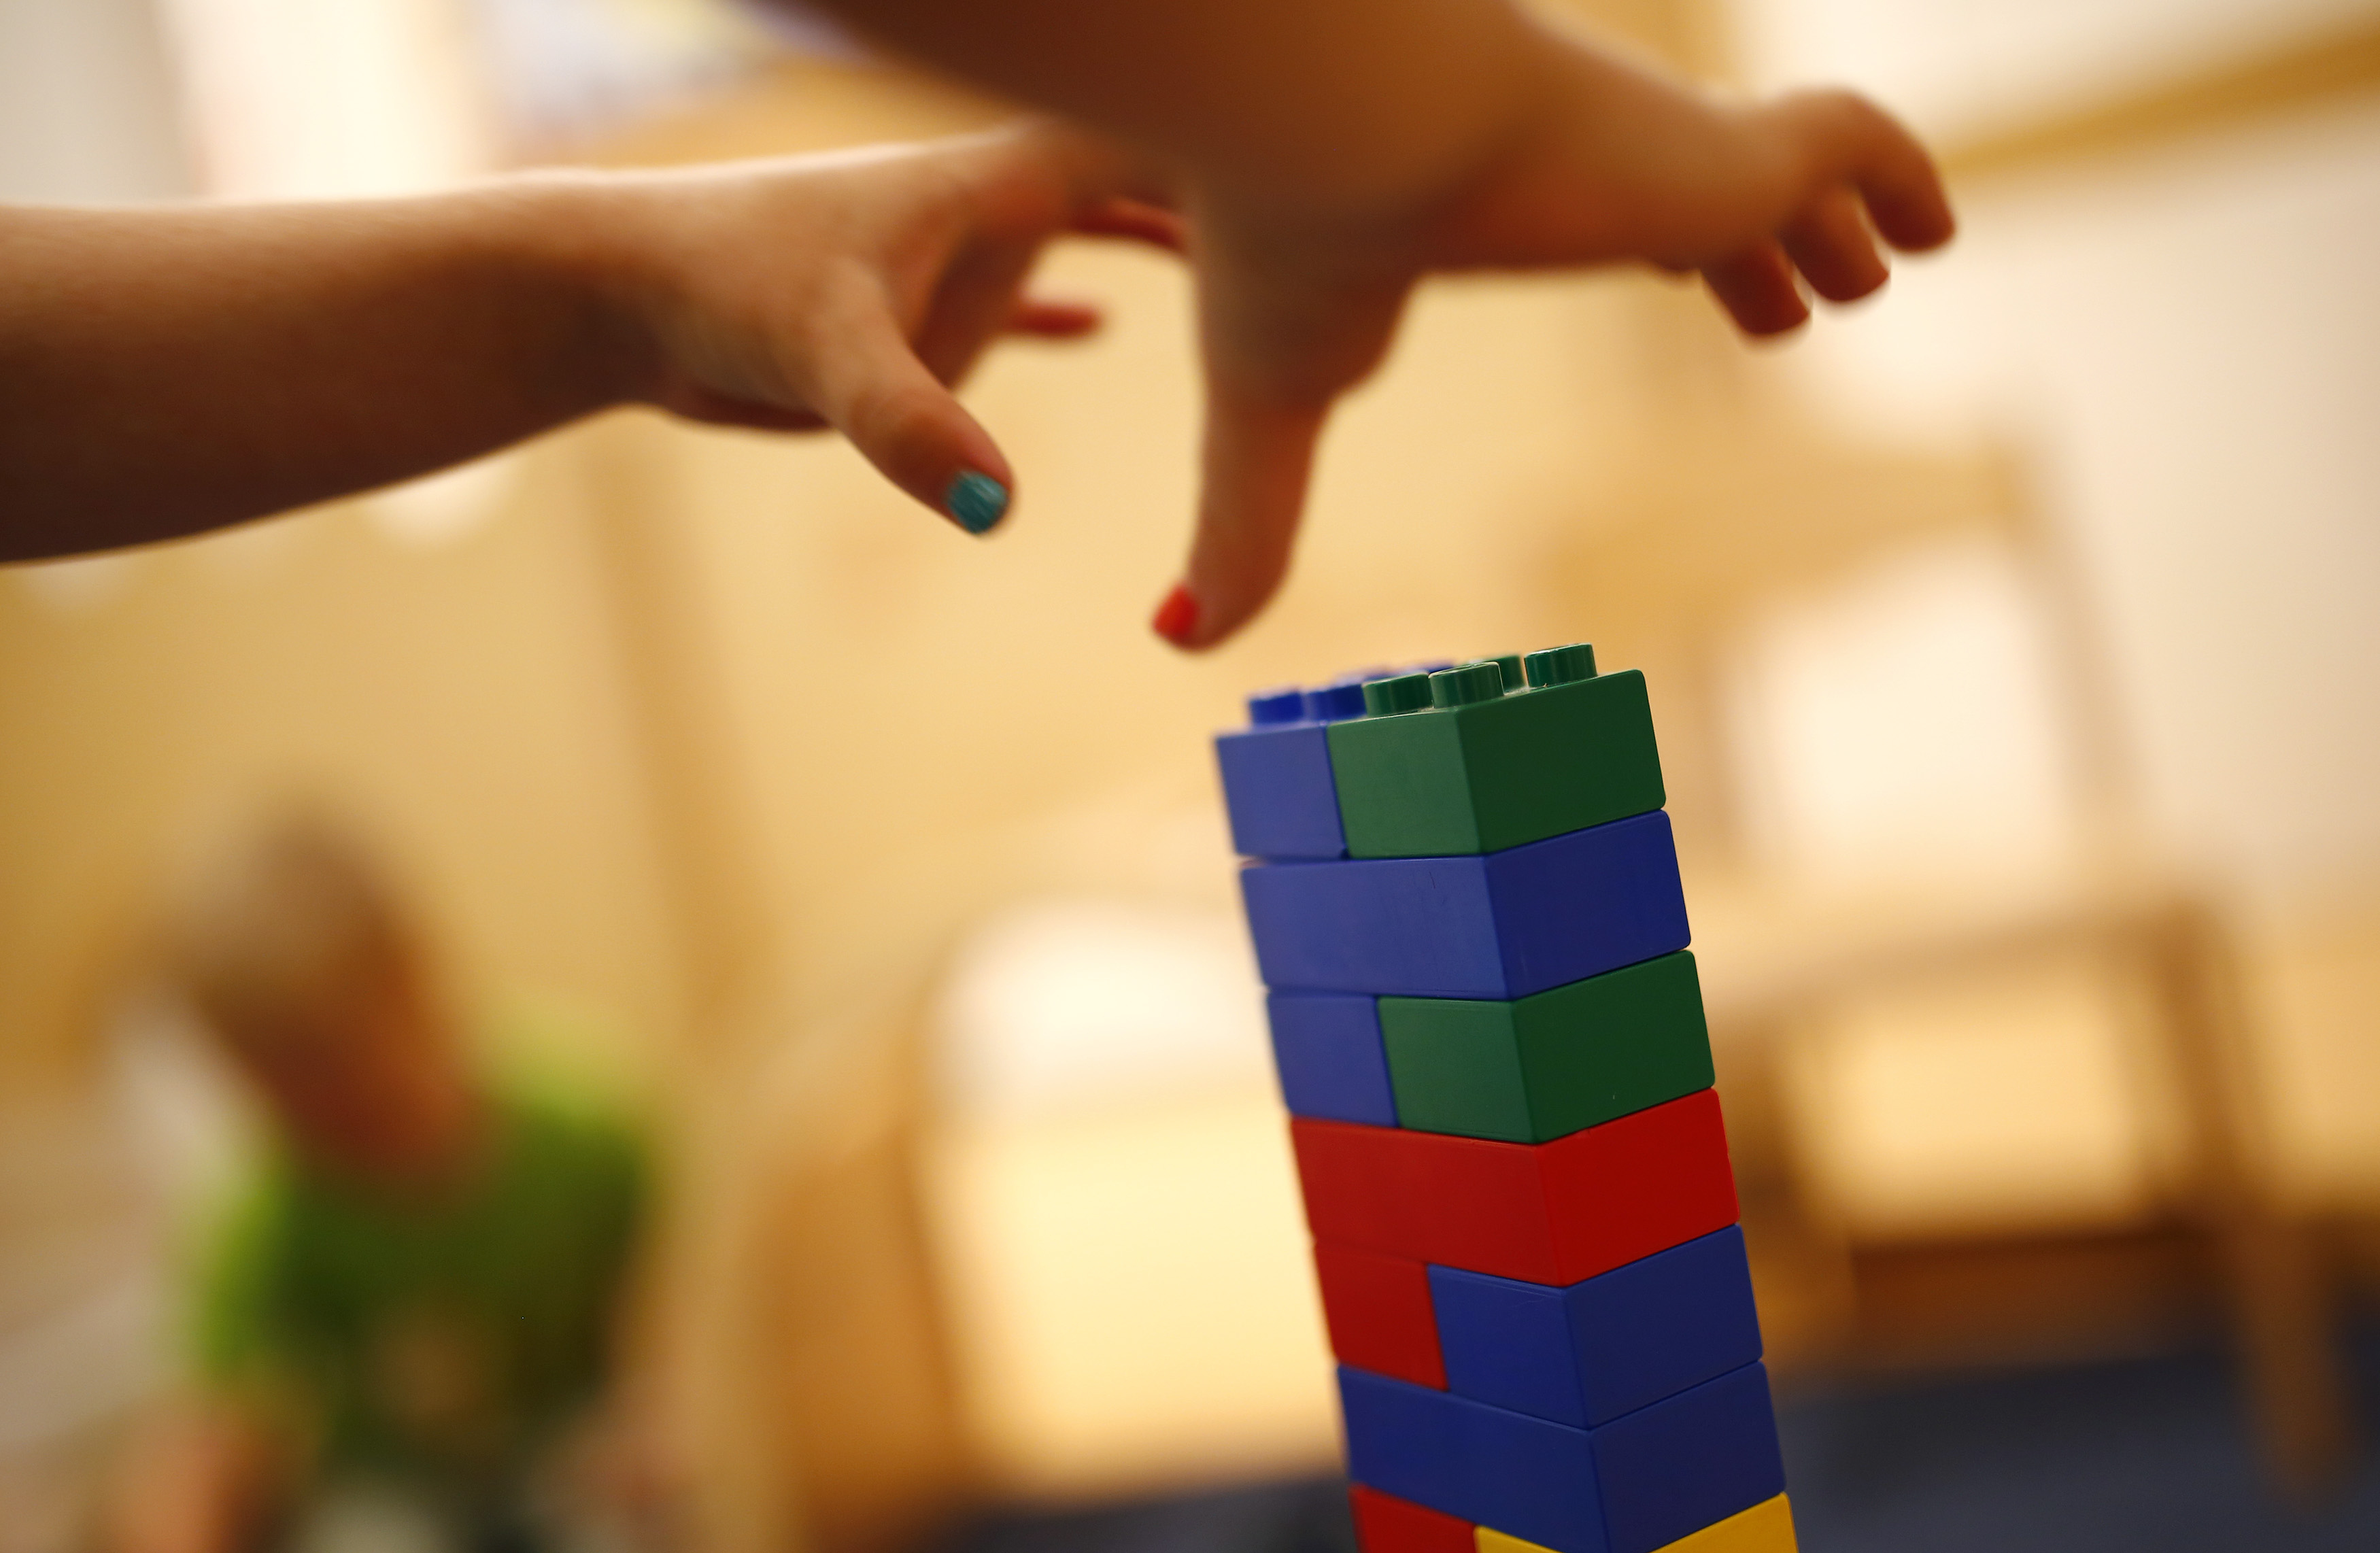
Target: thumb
<point>866,380</point>
<point>1258,459</point>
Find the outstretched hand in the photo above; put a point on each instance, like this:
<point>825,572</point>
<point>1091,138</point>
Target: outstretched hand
<point>900,266</point>
<point>165,372</point>
<point>258,359</point>
<point>913,261</point>
<point>173,371</point>
<point>1601,163</point>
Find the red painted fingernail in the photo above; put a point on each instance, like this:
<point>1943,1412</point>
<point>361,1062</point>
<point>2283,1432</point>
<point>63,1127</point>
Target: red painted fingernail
<point>1177,617</point>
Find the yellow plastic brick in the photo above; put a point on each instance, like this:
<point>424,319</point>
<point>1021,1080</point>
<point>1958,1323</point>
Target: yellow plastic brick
<point>1767,1527</point>
<point>1492,1541</point>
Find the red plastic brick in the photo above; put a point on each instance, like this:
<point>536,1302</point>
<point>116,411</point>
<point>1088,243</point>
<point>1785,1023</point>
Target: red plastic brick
<point>1428,1196</point>
<point>1385,1523</point>
<point>1640,1184</point>
<point>1544,1213</point>
<point>1379,1313</point>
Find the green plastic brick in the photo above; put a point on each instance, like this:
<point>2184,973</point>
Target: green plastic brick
<point>1488,774</point>
<point>1543,1067</point>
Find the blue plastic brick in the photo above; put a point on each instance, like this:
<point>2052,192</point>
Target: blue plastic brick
<point>1633,1485</point>
<point>1278,790</point>
<point>1277,781</point>
<point>1405,1439</point>
<point>1587,1353</point>
<point>1521,1476</point>
<point>1337,701</point>
<point>1538,1478</point>
<point>1499,925</point>
<point>1689,1462</point>
<point>1328,1049</point>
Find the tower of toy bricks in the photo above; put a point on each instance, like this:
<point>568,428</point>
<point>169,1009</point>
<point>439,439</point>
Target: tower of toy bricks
<point>1466,905</point>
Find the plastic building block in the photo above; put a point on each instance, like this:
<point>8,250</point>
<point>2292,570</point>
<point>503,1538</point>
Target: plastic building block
<point>1459,1202</point>
<point>1543,1213</point>
<point>1416,1443</point>
<point>1385,1523</point>
<point>1466,905</point>
<point>1767,1527</point>
<point>1378,1312</point>
<point>1278,792</point>
<point>1501,925</point>
<point>1487,1539</point>
<point>1558,665</point>
<point>1482,1464</point>
<point>1326,1046</point>
<point>1608,1345</point>
<point>1688,1460</point>
<point>1399,693</point>
<point>1277,783</point>
<point>1634,1484</point>
<point>1487,765</point>
<point>1545,1065</point>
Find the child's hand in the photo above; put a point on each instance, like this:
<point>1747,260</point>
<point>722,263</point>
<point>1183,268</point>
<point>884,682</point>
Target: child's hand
<point>1599,163</point>
<point>854,291</point>
<point>168,371</point>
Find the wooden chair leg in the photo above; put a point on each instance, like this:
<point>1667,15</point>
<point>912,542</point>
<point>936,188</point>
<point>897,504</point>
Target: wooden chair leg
<point>2292,1369</point>
<point>1800,1267</point>
<point>2281,1294</point>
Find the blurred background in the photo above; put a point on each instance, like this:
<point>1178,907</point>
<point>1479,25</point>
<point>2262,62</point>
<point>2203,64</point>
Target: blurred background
<point>2013,640</point>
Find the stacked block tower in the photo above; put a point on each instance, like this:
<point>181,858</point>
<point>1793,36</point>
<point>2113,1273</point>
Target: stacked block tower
<point>1465,904</point>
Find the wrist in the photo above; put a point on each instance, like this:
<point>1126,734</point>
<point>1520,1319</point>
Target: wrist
<point>1455,98</point>
<point>568,241</point>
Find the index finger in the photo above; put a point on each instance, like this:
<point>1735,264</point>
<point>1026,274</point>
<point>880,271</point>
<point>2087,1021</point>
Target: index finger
<point>1840,137</point>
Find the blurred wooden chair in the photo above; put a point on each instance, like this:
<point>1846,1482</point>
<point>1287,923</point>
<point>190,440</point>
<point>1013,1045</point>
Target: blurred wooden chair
<point>1731,507</point>
<point>1733,504</point>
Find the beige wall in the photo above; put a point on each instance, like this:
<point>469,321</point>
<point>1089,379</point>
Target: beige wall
<point>461,700</point>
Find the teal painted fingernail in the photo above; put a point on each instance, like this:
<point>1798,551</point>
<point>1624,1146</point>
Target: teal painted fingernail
<point>978,502</point>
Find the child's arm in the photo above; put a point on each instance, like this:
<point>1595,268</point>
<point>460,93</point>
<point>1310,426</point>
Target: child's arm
<point>165,371</point>
<point>1338,150</point>
<point>162,372</point>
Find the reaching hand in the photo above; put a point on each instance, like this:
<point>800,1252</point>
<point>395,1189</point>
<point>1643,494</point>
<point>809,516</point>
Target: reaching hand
<point>250,359</point>
<point>855,291</point>
<point>1600,164</point>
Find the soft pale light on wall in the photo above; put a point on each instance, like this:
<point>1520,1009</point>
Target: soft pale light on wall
<point>443,508</point>
<point>73,587</point>
<point>1114,1201</point>
<point>1069,1006</point>
<point>291,99</point>
<point>1904,727</point>
<point>1961,67</point>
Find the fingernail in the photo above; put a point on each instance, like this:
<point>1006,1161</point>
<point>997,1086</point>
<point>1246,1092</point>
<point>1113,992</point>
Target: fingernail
<point>978,502</point>
<point>1177,617</point>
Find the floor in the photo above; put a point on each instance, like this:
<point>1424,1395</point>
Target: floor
<point>2149,1455</point>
